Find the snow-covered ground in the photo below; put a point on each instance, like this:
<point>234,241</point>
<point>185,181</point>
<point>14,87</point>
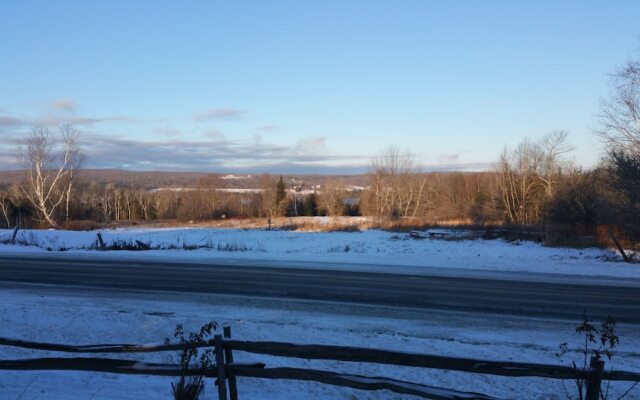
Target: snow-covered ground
<point>376,249</point>
<point>80,317</point>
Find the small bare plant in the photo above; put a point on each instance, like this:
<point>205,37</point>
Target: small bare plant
<point>233,247</point>
<point>191,387</point>
<point>596,343</point>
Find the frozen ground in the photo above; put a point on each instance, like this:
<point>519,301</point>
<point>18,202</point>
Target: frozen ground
<point>77,317</point>
<point>386,250</point>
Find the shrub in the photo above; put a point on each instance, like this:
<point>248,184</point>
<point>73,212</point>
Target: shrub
<point>192,387</point>
<point>576,203</point>
<point>596,343</point>
<point>127,245</point>
<point>232,247</point>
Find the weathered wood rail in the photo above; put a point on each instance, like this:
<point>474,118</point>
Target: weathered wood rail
<point>109,365</point>
<point>227,369</point>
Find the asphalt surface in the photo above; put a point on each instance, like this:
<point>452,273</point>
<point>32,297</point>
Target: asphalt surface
<point>468,294</point>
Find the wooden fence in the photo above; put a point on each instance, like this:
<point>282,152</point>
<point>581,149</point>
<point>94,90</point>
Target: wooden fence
<point>226,369</point>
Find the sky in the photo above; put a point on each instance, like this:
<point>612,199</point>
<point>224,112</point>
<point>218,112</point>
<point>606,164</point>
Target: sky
<point>308,86</point>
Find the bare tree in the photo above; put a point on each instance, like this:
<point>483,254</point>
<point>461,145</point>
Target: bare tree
<point>620,130</point>
<point>271,203</point>
<point>527,176</point>
<point>397,186</point>
<point>6,206</point>
<point>552,164</point>
<point>49,165</point>
<point>209,185</point>
<point>332,197</point>
<point>620,112</point>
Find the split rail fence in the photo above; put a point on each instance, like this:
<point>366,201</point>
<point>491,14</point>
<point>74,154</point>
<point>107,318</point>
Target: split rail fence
<point>226,369</point>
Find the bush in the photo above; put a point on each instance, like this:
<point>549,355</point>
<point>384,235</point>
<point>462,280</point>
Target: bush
<point>192,387</point>
<point>233,247</point>
<point>576,203</point>
<point>127,245</point>
<point>623,183</point>
<point>595,344</point>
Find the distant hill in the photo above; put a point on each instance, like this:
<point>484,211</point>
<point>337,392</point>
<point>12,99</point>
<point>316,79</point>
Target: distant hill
<point>156,179</point>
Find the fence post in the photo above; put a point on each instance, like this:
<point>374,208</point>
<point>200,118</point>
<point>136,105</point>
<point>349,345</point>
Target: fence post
<point>220,368</point>
<point>228,355</point>
<point>594,380</point>
<point>101,241</point>
<point>15,233</point>
<point>620,249</point>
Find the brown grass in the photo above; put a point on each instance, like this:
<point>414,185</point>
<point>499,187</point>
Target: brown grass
<point>418,224</point>
<point>301,224</point>
<point>322,224</point>
<point>604,239</point>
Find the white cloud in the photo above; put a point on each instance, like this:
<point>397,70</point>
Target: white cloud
<point>217,114</point>
<point>64,105</point>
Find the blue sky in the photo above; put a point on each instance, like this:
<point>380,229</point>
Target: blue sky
<point>302,86</point>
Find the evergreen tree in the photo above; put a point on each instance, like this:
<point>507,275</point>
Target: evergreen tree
<point>311,206</point>
<point>280,191</point>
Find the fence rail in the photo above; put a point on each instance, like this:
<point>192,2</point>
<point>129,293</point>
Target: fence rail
<point>109,365</point>
<point>226,369</point>
<point>364,355</point>
<point>103,348</point>
<point>358,382</point>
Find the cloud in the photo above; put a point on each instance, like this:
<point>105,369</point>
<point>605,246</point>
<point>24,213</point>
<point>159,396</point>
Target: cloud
<point>62,111</point>
<point>11,122</point>
<point>308,156</point>
<point>94,121</point>
<point>448,157</point>
<point>7,121</point>
<point>202,155</point>
<point>312,144</point>
<point>217,114</point>
<point>269,128</point>
<point>64,105</point>
<point>55,120</point>
<point>167,131</point>
<point>214,134</point>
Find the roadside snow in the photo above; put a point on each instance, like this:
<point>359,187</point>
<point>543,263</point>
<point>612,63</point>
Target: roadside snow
<point>83,317</point>
<point>387,250</point>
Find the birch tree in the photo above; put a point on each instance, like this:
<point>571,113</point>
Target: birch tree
<point>527,176</point>
<point>397,186</point>
<point>50,162</point>
<point>6,207</point>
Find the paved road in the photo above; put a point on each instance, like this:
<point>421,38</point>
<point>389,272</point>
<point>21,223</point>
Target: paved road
<point>478,295</point>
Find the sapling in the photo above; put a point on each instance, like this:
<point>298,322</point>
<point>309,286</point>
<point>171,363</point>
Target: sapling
<point>596,343</point>
<point>191,357</point>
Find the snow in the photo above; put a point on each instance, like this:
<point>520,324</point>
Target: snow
<point>83,317</point>
<point>74,316</point>
<point>370,250</point>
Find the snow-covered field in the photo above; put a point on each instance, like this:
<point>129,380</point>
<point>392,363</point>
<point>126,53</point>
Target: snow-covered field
<point>377,249</point>
<point>78,317</point>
